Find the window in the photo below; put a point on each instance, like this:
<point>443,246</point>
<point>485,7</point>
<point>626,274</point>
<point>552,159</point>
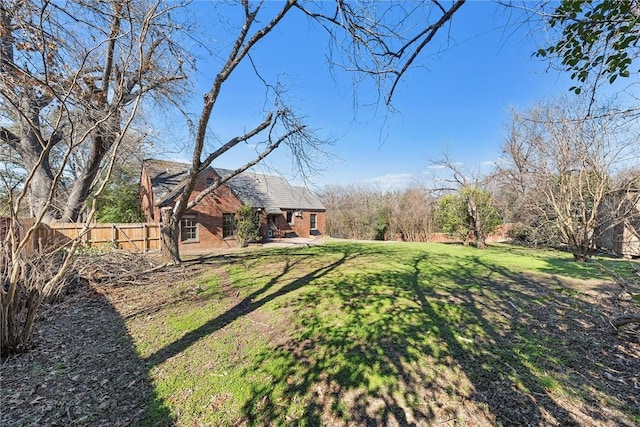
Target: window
<point>228,225</point>
<point>290,217</point>
<point>189,228</point>
<point>209,182</point>
<point>313,220</point>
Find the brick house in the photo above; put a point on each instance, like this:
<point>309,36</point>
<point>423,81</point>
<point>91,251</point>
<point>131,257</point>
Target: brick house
<point>284,210</point>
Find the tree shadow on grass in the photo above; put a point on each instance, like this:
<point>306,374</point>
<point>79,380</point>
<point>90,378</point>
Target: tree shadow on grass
<point>564,340</point>
<point>417,344</point>
<point>481,346</point>
<point>248,304</point>
<point>84,370</point>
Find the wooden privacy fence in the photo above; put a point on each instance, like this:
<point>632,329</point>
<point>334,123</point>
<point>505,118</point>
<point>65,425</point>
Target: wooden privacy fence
<point>138,237</point>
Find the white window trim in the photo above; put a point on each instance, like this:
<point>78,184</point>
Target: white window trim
<point>193,217</point>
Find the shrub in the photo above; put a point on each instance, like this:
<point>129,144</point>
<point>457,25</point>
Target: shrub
<point>28,283</point>
<point>247,225</point>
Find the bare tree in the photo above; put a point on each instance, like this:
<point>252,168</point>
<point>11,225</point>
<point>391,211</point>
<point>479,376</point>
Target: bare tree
<point>361,212</point>
<point>73,76</point>
<point>562,161</point>
<point>380,40</point>
<point>70,76</point>
<point>412,214</point>
<point>375,40</point>
<point>357,212</point>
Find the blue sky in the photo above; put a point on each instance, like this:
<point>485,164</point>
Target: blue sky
<point>457,98</point>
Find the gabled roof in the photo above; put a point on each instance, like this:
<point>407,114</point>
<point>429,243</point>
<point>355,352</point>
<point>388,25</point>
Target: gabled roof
<point>165,176</point>
<point>270,192</point>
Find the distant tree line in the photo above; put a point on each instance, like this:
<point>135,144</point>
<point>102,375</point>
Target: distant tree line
<point>411,214</point>
<point>369,213</point>
<point>568,175</point>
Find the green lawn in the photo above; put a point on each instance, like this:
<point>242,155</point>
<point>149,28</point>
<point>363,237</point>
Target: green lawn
<point>387,334</point>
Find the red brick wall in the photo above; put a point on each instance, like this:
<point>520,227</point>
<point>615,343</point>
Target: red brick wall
<point>209,216</point>
<point>301,226</point>
<point>208,213</point>
<point>151,212</point>
<point>499,235</point>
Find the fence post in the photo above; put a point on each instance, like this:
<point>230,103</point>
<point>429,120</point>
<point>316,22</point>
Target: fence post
<point>145,237</point>
<point>159,239</point>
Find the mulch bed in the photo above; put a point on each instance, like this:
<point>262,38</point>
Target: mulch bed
<point>83,369</point>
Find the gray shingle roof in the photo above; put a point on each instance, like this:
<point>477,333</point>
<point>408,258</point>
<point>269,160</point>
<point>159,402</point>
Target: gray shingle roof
<point>270,192</point>
<point>165,176</point>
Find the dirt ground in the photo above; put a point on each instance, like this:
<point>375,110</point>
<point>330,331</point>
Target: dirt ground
<point>83,369</point>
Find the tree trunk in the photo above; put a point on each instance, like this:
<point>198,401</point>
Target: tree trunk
<point>39,192</point>
<point>476,224</point>
<point>31,149</point>
<point>82,185</point>
<point>169,233</point>
<point>581,253</point>
<point>580,257</point>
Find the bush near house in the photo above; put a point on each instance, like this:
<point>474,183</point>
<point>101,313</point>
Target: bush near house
<point>247,225</point>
